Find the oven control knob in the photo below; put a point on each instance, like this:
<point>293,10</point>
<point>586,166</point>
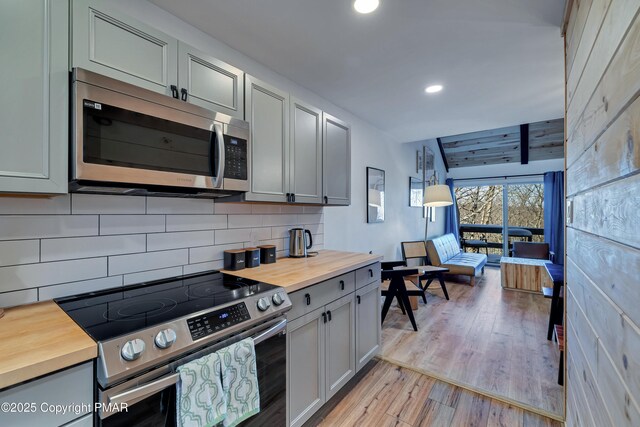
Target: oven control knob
<point>133,349</point>
<point>165,338</point>
<point>263,304</point>
<point>277,299</point>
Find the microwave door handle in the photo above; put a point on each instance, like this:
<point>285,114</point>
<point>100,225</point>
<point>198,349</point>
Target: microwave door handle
<point>145,390</point>
<point>217,183</point>
<point>274,330</point>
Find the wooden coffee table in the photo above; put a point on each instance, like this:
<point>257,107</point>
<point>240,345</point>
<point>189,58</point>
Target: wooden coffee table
<point>525,274</point>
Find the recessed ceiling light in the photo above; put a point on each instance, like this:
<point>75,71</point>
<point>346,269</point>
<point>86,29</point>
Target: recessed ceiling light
<point>366,6</point>
<point>433,89</point>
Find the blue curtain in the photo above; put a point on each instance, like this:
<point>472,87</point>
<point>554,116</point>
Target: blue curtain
<point>451,222</point>
<point>554,214</point>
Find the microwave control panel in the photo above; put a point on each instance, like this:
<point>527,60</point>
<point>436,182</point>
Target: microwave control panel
<point>216,321</point>
<point>235,158</point>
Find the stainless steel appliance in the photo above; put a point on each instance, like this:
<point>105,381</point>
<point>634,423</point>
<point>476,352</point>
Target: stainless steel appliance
<point>298,245</point>
<point>130,140</point>
<point>144,332</point>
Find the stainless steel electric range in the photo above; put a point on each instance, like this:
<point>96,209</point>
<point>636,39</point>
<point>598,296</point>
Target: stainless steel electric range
<point>145,331</point>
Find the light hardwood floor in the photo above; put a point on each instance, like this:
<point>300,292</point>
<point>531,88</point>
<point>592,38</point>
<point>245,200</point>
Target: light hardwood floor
<point>389,395</point>
<point>485,338</point>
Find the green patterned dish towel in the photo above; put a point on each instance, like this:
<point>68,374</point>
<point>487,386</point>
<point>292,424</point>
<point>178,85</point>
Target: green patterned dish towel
<point>201,399</point>
<point>240,381</point>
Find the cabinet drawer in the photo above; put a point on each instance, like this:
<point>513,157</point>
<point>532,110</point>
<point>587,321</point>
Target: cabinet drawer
<point>368,274</point>
<point>320,294</point>
<point>71,386</point>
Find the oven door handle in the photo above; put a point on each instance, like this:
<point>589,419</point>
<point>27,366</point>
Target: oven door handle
<point>145,390</point>
<point>272,331</point>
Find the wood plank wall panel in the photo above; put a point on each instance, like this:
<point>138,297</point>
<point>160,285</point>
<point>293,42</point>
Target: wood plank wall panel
<point>602,329</point>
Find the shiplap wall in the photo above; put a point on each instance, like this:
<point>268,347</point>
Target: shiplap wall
<point>79,243</point>
<point>603,243</point>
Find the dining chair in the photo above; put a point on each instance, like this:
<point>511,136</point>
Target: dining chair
<point>395,286</point>
<point>417,250</point>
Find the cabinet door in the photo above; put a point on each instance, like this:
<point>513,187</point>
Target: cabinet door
<point>210,83</point>
<point>340,343</point>
<point>305,153</point>
<point>306,367</point>
<point>268,112</point>
<point>34,97</point>
<point>336,161</point>
<point>108,42</point>
<point>367,323</point>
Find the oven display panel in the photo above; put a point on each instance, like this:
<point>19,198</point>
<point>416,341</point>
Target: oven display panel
<point>218,320</point>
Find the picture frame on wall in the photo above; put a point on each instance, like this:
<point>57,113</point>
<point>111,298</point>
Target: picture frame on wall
<point>375,195</point>
<point>415,192</point>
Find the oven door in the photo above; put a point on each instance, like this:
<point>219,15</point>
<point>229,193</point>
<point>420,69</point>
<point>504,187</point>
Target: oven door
<point>121,138</point>
<point>150,400</point>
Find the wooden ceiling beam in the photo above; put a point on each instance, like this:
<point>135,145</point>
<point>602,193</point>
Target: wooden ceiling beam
<point>444,157</point>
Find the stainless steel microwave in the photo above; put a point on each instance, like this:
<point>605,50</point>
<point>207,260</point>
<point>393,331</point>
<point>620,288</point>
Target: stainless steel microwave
<point>130,140</point>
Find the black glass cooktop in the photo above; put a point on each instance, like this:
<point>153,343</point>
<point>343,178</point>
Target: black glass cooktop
<point>114,312</point>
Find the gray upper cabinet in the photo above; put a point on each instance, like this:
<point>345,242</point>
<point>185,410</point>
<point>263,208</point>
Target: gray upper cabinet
<point>336,161</point>
<point>34,96</point>
<point>305,153</point>
<point>209,82</point>
<point>267,110</point>
<point>340,343</point>
<point>367,323</point>
<point>306,367</point>
<point>110,43</point>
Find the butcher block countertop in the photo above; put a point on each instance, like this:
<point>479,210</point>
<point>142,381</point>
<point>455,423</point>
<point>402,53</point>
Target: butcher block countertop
<point>38,339</point>
<point>297,273</point>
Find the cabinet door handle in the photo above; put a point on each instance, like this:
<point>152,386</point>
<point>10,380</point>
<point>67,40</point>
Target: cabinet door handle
<point>308,298</point>
<point>288,197</point>
<point>293,197</point>
<point>358,298</point>
<point>174,91</point>
<point>184,94</point>
<point>326,200</point>
<point>324,317</point>
<point>371,272</point>
<point>342,285</point>
<point>329,315</point>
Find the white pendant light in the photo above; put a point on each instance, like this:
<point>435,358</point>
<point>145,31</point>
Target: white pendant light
<point>366,6</point>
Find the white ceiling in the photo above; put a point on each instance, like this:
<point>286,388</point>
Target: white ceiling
<point>501,61</point>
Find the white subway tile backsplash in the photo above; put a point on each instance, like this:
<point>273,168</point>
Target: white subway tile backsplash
<point>15,252</point>
<point>178,240</point>
<point>210,253</point>
<point>66,289</point>
<point>232,208</point>
<point>53,247</point>
<point>123,264</point>
<point>146,276</point>
<point>169,205</point>
<point>58,205</point>
<point>245,221</point>
<point>196,222</point>
<point>131,224</point>
<point>9,299</point>
<point>44,226</point>
<point>106,204</point>
<point>85,247</point>
<point>50,273</point>
<point>203,266</point>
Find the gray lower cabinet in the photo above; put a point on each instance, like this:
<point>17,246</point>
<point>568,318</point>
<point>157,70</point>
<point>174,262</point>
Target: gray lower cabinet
<point>367,315</point>
<point>340,344</point>
<point>336,163</point>
<point>111,43</point>
<point>209,82</point>
<point>267,110</point>
<point>71,389</point>
<point>34,96</point>
<point>305,159</point>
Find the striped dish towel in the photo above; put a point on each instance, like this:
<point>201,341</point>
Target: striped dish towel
<point>201,400</point>
<point>240,381</point>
